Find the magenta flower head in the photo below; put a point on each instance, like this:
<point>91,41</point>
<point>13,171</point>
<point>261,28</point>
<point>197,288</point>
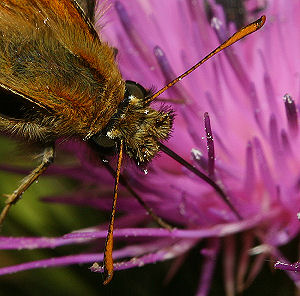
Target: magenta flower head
<point>236,123</point>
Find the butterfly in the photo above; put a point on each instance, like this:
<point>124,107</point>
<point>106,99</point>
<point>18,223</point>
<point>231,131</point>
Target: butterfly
<point>59,79</point>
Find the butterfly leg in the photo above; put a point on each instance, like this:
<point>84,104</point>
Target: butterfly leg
<point>148,209</point>
<point>47,159</point>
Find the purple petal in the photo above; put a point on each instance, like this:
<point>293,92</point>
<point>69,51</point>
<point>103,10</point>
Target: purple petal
<point>287,266</point>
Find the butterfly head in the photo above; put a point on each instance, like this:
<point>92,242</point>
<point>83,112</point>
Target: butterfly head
<point>140,126</point>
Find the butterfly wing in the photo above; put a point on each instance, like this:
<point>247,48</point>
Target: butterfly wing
<point>88,6</point>
<point>51,55</point>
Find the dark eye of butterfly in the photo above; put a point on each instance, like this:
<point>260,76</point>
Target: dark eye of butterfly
<point>132,89</point>
<point>136,90</point>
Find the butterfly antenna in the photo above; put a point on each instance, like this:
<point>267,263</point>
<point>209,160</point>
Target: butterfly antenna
<point>202,176</point>
<point>108,259</point>
<point>234,38</point>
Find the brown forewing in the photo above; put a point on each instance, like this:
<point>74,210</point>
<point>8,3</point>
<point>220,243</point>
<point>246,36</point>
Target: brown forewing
<point>52,56</point>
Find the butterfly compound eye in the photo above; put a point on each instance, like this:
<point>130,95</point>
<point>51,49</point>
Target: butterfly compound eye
<point>136,90</point>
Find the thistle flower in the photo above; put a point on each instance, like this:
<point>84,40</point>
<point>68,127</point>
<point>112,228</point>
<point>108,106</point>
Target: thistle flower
<point>237,122</point>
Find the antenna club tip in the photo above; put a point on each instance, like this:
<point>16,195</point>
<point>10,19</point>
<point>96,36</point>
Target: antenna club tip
<point>261,21</point>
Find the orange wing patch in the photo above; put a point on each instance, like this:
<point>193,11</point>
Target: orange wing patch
<point>51,53</point>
